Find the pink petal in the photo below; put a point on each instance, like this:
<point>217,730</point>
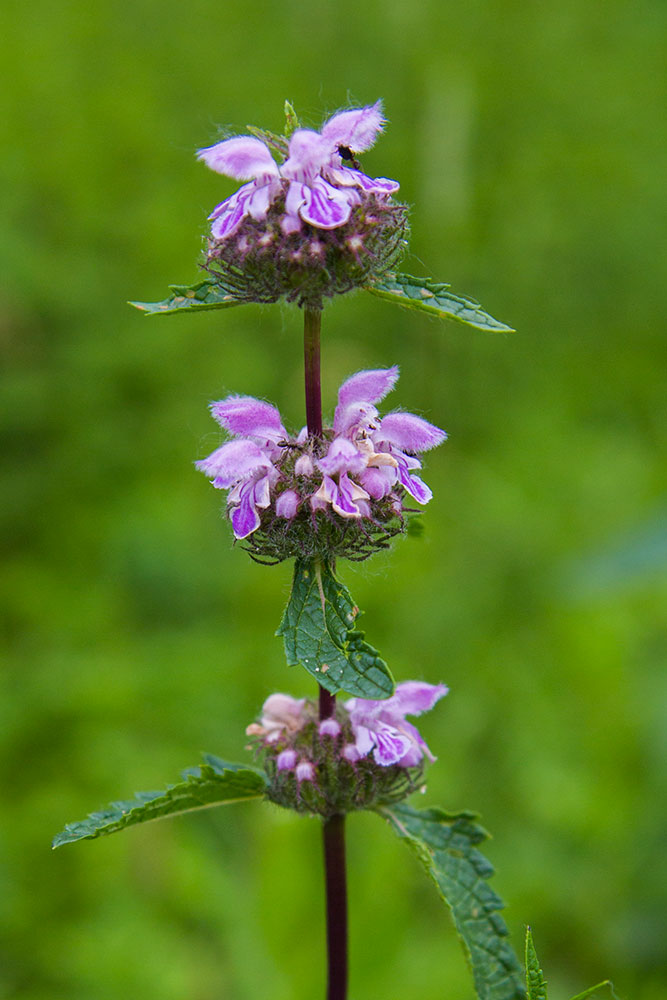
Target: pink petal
<point>245,518</point>
<point>246,416</point>
<point>295,198</point>
<point>258,204</point>
<point>357,129</point>
<point>368,386</point>
<point>262,492</point>
<point>342,456</point>
<point>356,415</point>
<point>345,497</point>
<point>364,741</point>
<point>304,466</point>
<point>351,754</point>
<point>408,432</point>
<point>242,157</point>
<point>415,697</point>
<point>282,708</point>
<point>232,462</point>
<point>414,755</point>
<point>415,486</point>
<point>287,504</point>
<point>305,771</point>
<point>390,746</point>
<point>229,214</point>
<point>346,177</point>
<point>325,206</point>
<point>329,727</point>
<point>307,155</point>
<point>378,482</point>
<point>286,760</point>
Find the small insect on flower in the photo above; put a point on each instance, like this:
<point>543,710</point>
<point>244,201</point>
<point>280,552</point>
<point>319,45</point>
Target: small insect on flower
<point>348,156</point>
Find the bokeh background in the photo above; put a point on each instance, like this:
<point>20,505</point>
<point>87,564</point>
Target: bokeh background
<point>529,139</point>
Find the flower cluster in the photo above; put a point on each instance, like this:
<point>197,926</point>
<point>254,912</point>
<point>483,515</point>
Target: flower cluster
<point>311,226</point>
<point>368,753</point>
<point>342,494</point>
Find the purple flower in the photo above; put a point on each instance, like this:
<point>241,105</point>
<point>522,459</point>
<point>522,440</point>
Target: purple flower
<point>318,188</point>
<point>368,462</point>
<point>281,715</point>
<point>381,726</point>
<point>379,451</point>
<point>329,727</point>
<point>286,760</point>
<point>245,466</point>
<point>304,771</point>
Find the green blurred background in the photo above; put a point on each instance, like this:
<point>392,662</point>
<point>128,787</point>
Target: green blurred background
<point>528,138</point>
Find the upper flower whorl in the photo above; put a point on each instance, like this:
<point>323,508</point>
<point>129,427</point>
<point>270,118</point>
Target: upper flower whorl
<point>310,227</point>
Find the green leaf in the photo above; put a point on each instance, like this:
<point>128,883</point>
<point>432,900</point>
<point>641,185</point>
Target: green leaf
<point>278,143</point>
<point>206,294</point>
<point>318,628</point>
<point>291,120</point>
<point>593,989</point>
<point>446,845</point>
<point>434,298</point>
<point>215,783</point>
<point>536,984</point>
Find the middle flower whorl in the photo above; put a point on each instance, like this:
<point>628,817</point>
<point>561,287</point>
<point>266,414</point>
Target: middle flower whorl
<point>341,494</point>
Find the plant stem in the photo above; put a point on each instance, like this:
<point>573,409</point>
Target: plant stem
<point>336,903</point>
<point>333,828</point>
<point>327,704</point>
<point>312,320</point>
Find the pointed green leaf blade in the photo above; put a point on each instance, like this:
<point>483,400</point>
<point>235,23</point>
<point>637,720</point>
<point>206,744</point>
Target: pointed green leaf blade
<point>216,782</point>
<point>205,294</point>
<point>536,984</point>
<point>593,989</point>
<point>278,143</point>
<point>291,120</point>
<point>446,845</point>
<point>435,298</point>
<point>318,629</point>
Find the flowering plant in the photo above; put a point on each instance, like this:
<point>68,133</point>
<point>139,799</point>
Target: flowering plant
<point>306,225</point>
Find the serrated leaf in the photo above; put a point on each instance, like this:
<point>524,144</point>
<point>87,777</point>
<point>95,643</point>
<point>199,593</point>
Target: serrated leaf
<point>446,845</point>
<point>216,782</point>
<point>435,298</point>
<point>536,984</point>
<point>318,629</point>
<point>205,294</point>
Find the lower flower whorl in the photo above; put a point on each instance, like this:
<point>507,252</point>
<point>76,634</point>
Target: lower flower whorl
<point>364,756</point>
<point>314,771</point>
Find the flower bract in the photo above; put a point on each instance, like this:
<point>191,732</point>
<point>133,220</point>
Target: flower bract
<point>380,727</point>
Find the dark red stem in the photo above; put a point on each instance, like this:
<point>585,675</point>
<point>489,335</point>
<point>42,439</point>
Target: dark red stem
<point>333,828</point>
<point>336,890</point>
<point>312,320</point>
